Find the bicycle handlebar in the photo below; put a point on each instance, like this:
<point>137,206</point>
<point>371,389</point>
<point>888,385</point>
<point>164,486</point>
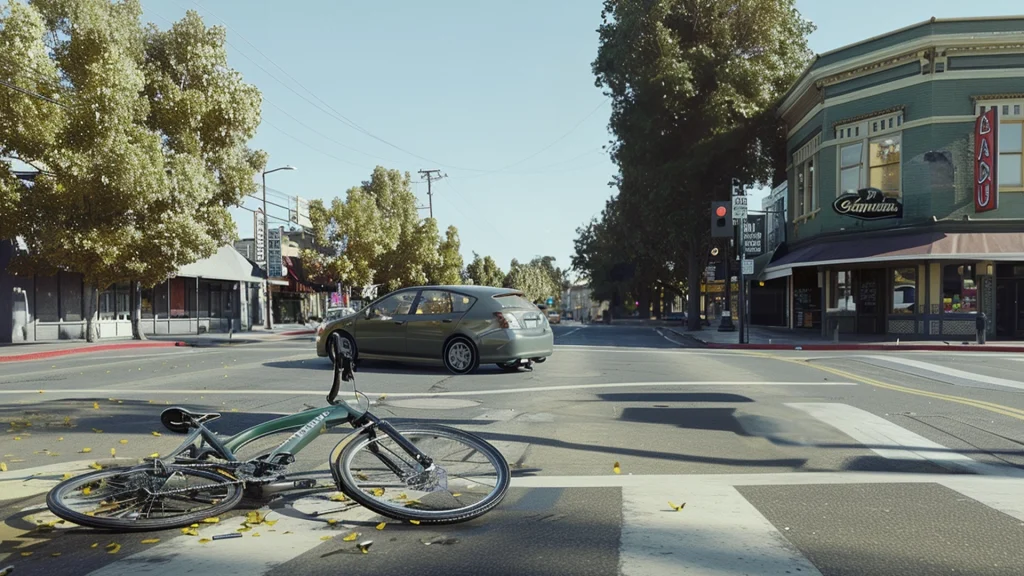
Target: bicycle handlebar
<point>342,368</point>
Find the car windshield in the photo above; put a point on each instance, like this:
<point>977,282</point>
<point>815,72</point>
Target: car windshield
<point>513,300</point>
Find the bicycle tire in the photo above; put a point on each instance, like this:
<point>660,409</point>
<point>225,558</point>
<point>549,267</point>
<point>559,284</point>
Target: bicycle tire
<point>351,489</point>
<point>55,501</point>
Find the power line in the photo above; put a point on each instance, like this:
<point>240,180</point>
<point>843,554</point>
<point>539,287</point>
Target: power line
<point>27,92</point>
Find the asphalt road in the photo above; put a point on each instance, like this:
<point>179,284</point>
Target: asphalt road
<point>788,463</point>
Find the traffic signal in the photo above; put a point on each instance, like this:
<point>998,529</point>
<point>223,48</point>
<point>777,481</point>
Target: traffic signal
<point>721,220</point>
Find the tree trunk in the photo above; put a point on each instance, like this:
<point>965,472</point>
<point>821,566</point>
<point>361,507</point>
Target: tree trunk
<point>693,287</point>
<point>137,333</point>
<point>658,305</point>
<point>92,306</point>
<point>644,309</point>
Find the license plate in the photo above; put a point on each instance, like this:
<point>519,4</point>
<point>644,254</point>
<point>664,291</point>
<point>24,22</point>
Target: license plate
<point>531,322</point>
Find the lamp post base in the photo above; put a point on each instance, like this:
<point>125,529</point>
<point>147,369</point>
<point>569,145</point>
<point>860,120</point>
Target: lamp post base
<point>726,325</point>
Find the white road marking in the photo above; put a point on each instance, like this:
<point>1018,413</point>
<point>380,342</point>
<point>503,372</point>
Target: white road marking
<point>573,331</point>
<point>894,442</point>
<point>248,555</point>
<point>947,371</point>
<point>718,533</point>
<point>632,350</point>
<point>127,393</point>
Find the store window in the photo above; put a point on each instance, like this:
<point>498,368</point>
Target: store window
<point>108,305</point>
<point>904,290</point>
<point>870,157</point>
<point>805,198</point>
<point>959,291</point>
<point>850,167</point>
<point>1011,169</point>
<point>147,303</point>
<point>842,299</point>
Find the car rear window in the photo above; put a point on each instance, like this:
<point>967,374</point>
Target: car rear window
<point>513,301</point>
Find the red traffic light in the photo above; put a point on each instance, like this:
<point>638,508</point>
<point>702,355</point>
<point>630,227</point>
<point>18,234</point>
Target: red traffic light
<point>720,211</point>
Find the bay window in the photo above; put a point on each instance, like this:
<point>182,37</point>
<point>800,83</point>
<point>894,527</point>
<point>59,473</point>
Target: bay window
<point>805,197</point>
<point>870,153</point>
<point>884,162</point>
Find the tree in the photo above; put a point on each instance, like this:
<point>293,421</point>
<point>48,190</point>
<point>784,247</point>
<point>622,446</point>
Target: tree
<point>447,270</point>
<point>532,279</point>
<point>142,153</point>
<point>484,271</point>
<point>692,86</point>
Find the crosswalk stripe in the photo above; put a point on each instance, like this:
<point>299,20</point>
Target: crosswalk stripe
<point>718,532</point>
<point>894,442</point>
<point>949,372</point>
<point>248,555</point>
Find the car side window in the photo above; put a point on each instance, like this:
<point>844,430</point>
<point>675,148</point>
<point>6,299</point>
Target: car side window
<point>433,302</point>
<point>394,305</point>
<point>462,303</point>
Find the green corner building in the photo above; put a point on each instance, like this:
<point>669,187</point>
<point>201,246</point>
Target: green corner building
<point>887,231</point>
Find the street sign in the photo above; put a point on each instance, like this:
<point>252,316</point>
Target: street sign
<point>275,262</point>
<point>748,267</point>
<point>753,235</point>
<point>709,273</point>
<point>739,208</point>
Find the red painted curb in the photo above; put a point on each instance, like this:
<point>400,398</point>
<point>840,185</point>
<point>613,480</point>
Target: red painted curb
<point>88,350</point>
<point>872,347</point>
<point>297,333</point>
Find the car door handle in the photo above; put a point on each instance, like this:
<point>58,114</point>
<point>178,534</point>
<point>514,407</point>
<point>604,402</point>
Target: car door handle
<point>447,320</point>
<point>399,322</point>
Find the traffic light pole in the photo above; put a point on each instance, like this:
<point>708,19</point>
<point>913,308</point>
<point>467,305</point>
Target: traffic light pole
<point>726,324</point>
<point>742,302</point>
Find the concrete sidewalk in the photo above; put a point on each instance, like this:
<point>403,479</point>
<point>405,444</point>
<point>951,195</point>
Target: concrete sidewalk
<point>27,351</point>
<point>766,338</point>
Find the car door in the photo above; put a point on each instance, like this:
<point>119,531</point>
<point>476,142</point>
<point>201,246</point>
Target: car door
<point>436,315</point>
<point>381,331</point>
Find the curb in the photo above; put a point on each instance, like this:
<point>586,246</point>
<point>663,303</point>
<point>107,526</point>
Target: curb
<point>296,333</point>
<point>87,350</point>
<point>848,347</point>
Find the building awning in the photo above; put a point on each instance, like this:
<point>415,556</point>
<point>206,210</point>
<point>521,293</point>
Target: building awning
<point>994,246</point>
<point>225,264</point>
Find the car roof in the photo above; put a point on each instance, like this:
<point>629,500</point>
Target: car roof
<point>469,289</point>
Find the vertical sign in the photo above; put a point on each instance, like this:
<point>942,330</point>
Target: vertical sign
<point>259,228</point>
<point>986,159</point>
<point>274,262</point>
<point>753,235</point>
<point>739,208</point>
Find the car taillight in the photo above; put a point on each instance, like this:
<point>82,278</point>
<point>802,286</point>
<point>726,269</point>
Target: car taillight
<point>507,321</point>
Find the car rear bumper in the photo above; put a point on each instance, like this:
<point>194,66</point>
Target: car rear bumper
<point>507,345</point>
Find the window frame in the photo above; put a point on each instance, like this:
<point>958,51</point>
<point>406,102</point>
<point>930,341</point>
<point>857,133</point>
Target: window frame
<point>899,163</point>
<point>805,180</point>
<point>1008,111</point>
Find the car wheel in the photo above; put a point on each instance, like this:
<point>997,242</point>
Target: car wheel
<point>512,366</point>
<point>460,356</point>
<point>347,345</point>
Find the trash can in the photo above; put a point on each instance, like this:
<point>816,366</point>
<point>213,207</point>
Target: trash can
<point>981,325</point>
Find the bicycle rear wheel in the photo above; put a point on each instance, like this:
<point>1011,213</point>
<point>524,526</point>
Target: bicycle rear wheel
<point>469,476</point>
<point>143,498</point>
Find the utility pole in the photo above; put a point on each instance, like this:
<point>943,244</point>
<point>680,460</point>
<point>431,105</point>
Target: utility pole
<point>431,175</point>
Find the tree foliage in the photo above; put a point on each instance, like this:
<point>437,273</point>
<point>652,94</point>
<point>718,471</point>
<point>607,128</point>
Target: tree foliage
<point>484,271</point>
<point>534,279</point>
<point>141,140</point>
<point>693,86</point>
<point>447,271</point>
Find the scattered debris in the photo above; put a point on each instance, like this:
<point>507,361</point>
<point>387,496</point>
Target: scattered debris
<point>442,540</point>
<point>226,536</point>
<point>364,547</point>
<point>616,468</point>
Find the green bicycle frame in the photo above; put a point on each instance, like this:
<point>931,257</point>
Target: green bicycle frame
<point>308,425</point>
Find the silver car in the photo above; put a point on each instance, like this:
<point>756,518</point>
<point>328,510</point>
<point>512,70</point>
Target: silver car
<point>457,326</point>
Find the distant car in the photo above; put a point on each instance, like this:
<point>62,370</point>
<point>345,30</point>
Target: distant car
<point>676,316</point>
<point>336,313</point>
<point>457,326</point>
<point>554,317</point>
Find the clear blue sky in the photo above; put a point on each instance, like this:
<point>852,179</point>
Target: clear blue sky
<point>464,86</point>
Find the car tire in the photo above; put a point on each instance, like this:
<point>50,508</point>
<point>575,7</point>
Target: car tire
<point>460,356</point>
<point>346,340</point>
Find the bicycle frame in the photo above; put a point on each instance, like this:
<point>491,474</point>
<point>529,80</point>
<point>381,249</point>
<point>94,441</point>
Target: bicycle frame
<point>304,423</point>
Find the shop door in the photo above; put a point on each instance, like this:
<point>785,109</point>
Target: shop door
<point>870,311</point>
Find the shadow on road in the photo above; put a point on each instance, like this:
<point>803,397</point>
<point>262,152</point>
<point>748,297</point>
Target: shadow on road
<point>710,397</point>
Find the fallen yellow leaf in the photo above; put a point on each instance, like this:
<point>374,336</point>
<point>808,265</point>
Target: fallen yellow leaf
<point>350,537</point>
<point>332,522</point>
<point>364,547</point>
<point>456,495</point>
<point>416,522</point>
<point>378,492</point>
<point>122,441</point>
<point>3,466</point>
<point>211,520</point>
<point>677,508</point>
<point>95,466</point>
<point>66,476</point>
<point>154,455</point>
<point>204,540</point>
<point>26,553</point>
<point>190,532</point>
<point>150,541</point>
<point>270,523</point>
<point>338,497</point>
<point>254,517</point>
<point>381,525</point>
<point>97,430</point>
<point>255,534</point>
<point>85,450</point>
<point>94,544</point>
<point>55,554</point>
<point>244,528</point>
<point>326,538</point>
<point>96,405</point>
<point>113,451</point>
<point>113,548</point>
<point>155,433</point>
<point>61,439</point>
<point>87,490</point>
<point>17,437</point>
<point>616,468</point>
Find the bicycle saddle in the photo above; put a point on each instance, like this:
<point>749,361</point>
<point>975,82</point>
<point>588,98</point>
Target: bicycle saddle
<point>177,419</point>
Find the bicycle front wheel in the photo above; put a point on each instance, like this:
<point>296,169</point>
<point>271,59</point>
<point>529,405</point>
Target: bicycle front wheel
<point>143,498</point>
<point>468,477</point>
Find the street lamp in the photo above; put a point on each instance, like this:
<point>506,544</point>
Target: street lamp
<point>266,234</point>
